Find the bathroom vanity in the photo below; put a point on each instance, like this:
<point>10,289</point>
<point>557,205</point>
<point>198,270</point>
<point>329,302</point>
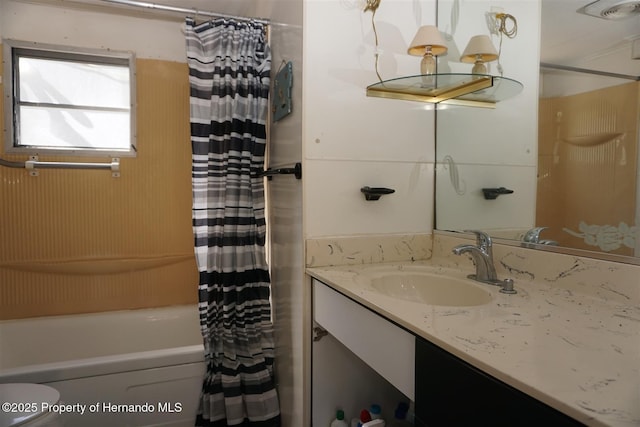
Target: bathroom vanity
<point>544,356</point>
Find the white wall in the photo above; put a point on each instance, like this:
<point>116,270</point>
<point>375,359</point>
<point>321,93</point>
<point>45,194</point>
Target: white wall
<point>556,83</point>
<point>93,28</point>
<point>289,290</point>
<point>350,140</point>
<point>492,147</point>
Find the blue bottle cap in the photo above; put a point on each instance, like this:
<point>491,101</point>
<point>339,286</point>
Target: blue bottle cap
<point>401,411</point>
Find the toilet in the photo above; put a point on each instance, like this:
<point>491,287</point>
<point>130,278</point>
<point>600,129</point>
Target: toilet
<point>25,405</point>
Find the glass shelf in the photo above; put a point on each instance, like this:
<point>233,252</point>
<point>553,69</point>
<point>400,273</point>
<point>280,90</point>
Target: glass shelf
<point>479,90</point>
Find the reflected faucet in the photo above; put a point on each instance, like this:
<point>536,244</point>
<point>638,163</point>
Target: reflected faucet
<point>533,236</point>
<point>482,255</point>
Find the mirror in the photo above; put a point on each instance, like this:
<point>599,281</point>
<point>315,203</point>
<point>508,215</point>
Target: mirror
<point>566,149</point>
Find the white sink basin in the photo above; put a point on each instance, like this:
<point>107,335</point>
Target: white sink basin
<point>425,285</point>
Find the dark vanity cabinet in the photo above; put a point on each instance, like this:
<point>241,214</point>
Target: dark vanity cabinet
<point>451,392</point>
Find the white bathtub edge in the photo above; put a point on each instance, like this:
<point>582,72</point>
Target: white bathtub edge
<point>104,365</point>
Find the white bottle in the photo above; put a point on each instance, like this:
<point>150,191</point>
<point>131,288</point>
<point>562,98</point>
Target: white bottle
<point>375,411</point>
<point>339,421</point>
<point>374,423</point>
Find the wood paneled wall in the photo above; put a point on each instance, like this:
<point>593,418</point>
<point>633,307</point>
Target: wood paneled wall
<point>76,241</point>
<point>588,162</point>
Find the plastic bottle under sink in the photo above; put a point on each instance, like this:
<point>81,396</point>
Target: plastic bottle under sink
<point>375,411</point>
<point>339,421</point>
<point>400,416</point>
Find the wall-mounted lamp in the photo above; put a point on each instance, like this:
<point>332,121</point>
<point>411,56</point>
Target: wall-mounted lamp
<point>427,43</point>
<point>478,51</point>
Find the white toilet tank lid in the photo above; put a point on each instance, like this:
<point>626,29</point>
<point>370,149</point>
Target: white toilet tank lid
<point>24,402</point>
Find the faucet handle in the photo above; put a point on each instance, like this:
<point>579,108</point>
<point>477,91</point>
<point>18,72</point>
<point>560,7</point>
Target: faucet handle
<point>483,240</point>
<point>507,287</point>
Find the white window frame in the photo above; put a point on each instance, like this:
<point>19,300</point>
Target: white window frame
<point>13,49</point>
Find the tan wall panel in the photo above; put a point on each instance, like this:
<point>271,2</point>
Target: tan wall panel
<point>76,241</point>
<point>549,200</point>
<point>593,182</point>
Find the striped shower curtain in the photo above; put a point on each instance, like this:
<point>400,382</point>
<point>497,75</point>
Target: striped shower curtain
<point>229,65</point>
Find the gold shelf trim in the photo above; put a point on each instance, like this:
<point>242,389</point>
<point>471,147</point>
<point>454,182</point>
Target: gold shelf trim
<point>428,93</point>
<point>475,90</point>
<point>469,103</point>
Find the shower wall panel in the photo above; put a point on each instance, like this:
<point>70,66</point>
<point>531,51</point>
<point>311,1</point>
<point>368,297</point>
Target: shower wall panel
<point>75,241</point>
<point>588,167</point>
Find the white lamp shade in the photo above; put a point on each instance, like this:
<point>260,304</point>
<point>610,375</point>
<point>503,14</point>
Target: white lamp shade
<point>479,48</point>
<point>427,35</point>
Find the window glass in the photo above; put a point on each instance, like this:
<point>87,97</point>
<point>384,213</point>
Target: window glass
<point>69,101</point>
<point>74,128</point>
<point>73,82</point>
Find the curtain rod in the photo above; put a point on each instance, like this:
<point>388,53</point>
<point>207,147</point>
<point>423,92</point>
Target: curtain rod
<point>587,71</point>
<point>175,9</point>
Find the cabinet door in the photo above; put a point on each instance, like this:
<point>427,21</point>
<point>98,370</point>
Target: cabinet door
<point>450,392</point>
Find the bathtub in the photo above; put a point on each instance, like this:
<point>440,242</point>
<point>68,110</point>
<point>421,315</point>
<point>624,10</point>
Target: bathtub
<point>121,368</point>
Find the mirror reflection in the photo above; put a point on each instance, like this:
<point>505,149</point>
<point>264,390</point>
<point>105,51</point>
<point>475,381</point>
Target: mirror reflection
<point>575,177</point>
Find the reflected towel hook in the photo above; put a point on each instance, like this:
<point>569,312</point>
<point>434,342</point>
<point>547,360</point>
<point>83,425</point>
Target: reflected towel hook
<point>454,177</point>
<point>493,193</point>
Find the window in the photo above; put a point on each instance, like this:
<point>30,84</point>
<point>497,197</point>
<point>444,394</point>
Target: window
<point>61,100</point>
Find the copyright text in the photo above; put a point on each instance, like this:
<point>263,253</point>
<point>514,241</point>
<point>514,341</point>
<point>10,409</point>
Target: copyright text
<point>82,408</point>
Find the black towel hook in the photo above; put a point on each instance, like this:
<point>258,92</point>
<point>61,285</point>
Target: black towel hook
<point>296,170</point>
<point>493,193</point>
<point>374,193</point>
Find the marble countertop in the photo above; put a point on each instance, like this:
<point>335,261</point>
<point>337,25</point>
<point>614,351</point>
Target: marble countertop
<point>573,351</point>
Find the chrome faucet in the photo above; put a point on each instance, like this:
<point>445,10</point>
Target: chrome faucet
<point>482,255</point>
<point>533,236</point>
